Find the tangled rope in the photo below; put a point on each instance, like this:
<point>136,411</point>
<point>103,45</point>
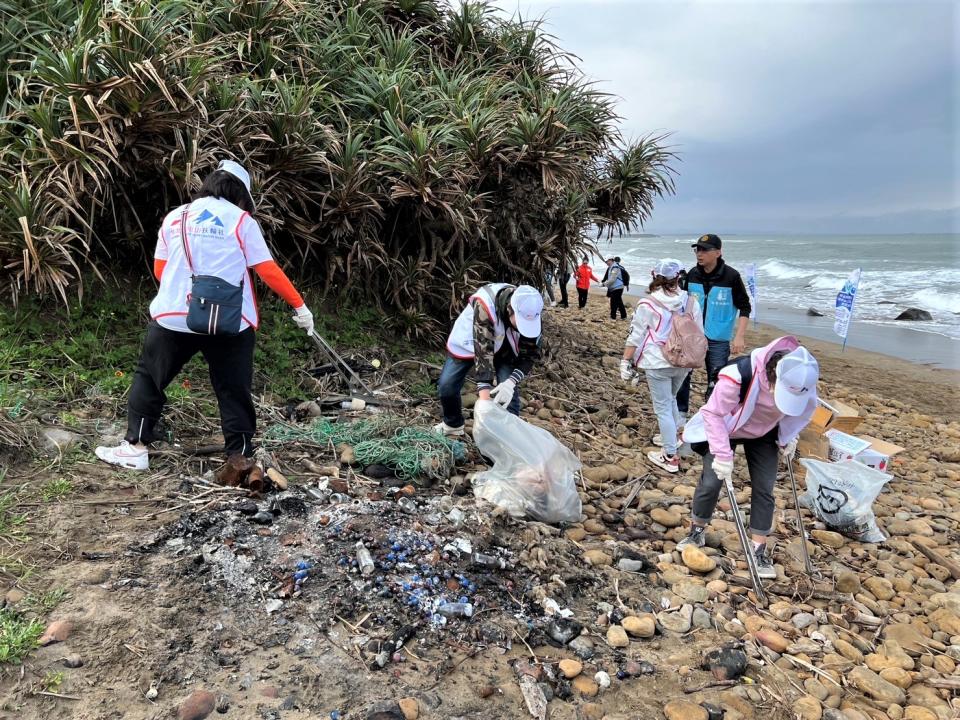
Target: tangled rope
<point>409,451</point>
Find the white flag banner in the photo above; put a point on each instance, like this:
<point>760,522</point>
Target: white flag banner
<point>752,288</point>
<point>845,300</point>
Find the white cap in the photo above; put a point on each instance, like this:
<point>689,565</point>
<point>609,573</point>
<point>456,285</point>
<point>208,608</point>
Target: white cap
<point>796,387</point>
<point>668,268</point>
<point>240,173</point>
<point>527,304</point>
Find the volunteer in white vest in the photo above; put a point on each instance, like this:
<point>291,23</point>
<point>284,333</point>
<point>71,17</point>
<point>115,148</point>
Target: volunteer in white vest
<point>649,330</point>
<point>497,334</point>
<point>221,239</point>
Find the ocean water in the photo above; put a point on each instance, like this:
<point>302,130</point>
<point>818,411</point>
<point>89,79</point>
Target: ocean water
<point>804,271</point>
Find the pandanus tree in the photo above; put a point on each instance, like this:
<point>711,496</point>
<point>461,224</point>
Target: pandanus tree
<point>402,150</point>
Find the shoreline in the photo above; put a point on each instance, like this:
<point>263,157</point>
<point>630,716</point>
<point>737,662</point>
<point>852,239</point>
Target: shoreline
<point>935,390</point>
<point>928,352</point>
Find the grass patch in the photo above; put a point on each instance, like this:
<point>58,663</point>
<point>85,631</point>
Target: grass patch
<point>41,605</point>
<point>11,521</point>
<point>423,388</point>
<point>56,489</point>
<point>18,636</point>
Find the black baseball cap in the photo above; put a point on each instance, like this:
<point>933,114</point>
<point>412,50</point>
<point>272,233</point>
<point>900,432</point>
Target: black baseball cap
<point>708,242</point>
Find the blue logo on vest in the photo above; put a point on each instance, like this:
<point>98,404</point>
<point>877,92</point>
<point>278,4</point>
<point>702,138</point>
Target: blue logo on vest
<point>207,216</point>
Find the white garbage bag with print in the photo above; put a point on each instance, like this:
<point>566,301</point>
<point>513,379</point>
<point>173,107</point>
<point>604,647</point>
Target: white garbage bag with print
<point>841,495</point>
<point>533,475</point>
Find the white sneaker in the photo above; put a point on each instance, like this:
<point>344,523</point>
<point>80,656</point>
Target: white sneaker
<point>658,440</point>
<point>553,303</point>
<point>124,455</point>
<point>671,464</point>
<point>443,429</point>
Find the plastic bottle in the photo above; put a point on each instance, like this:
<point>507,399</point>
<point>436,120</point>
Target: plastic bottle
<point>491,561</point>
<point>353,404</point>
<point>364,559</point>
<point>456,517</point>
<point>408,505</point>
<point>456,609</point>
<point>339,498</point>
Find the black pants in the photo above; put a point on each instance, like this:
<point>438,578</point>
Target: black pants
<point>616,304</point>
<point>582,296</point>
<point>564,278</point>
<point>230,359</point>
<point>763,456</point>
<point>718,357</point>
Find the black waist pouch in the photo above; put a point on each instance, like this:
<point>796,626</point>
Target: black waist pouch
<point>215,306</point>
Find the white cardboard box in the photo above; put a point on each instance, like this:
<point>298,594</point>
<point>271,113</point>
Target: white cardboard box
<point>867,450</point>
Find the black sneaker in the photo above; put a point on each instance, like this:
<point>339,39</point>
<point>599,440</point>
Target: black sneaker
<point>697,538</point>
<point>765,568</point>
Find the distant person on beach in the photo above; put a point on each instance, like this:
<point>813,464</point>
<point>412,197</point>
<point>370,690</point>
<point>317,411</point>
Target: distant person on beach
<point>584,275</point>
<point>498,335</point>
<point>726,311</point>
<point>563,278</point>
<point>614,282</point>
<point>548,287</point>
<point>761,402</point>
<point>214,236</point>
<point>649,331</point>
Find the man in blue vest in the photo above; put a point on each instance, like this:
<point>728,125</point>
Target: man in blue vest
<point>726,311</point>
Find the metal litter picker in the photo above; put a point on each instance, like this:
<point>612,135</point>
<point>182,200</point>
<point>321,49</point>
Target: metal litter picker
<point>746,543</point>
<point>354,383</point>
<point>803,533</point>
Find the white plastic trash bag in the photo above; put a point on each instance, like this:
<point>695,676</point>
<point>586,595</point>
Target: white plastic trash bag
<point>841,495</point>
<point>532,475</point>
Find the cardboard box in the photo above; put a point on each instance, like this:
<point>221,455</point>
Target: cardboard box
<point>811,444</point>
<point>867,450</point>
<point>842,417</point>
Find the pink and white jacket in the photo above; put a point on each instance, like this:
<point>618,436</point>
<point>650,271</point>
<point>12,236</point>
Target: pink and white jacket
<point>723,417</point>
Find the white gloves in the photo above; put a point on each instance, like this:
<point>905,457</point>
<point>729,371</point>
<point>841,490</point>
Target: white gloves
<point>789,451</point>
<point>304,319</point>
<point>626,370</point>
<point>502,394</point>
<point>723,469</point>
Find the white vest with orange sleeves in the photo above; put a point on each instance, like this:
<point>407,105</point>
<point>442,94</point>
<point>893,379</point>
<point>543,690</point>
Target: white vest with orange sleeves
<point>460,342</point>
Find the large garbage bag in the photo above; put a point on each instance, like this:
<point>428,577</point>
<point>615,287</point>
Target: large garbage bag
<point>532,475</point>
<point>841,495</point>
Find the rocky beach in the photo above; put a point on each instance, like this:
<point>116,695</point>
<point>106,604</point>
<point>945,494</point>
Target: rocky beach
<point>180,600</point>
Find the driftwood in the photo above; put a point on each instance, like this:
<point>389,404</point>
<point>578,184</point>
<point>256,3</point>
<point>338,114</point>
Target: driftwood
<point>939,559</point>
<point>787,590</point>
<point>852,614</point>
<point>947,683</point>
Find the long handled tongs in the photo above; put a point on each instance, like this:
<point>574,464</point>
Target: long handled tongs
<point>803,533</point>
<point>745,541</point>
<point>353,380</point>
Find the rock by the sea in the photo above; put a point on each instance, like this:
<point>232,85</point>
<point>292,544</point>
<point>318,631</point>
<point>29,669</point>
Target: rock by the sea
<point>914,314</point>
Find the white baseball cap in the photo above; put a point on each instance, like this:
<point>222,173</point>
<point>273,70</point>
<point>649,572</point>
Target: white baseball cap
<point>240,173</point>
<point>527,304</point>
<point>796,387</point>
<point>668,268</point>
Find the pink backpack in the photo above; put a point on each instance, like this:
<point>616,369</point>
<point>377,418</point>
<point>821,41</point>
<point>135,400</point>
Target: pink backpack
<point>686,345</point>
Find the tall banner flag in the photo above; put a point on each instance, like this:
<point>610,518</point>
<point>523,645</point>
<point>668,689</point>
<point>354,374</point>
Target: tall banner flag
<point>752,290</point>
<point>845,300</point>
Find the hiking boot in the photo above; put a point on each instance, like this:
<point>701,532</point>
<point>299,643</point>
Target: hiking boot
<point>670,463</point>
<point>442,428</point>
<point>765,568</point>
<point>658,440</point>
<point>697,537</point>
<point>124,455</point>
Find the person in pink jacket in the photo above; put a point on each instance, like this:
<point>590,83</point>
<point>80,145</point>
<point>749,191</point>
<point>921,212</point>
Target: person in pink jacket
<point>765,418</point>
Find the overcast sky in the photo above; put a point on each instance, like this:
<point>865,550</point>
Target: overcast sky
<point>806,116</point>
